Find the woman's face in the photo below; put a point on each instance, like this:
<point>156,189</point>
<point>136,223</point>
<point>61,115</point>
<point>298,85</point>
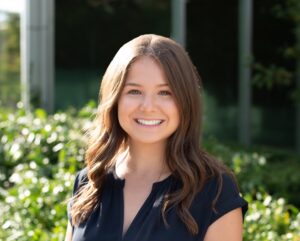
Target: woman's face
<point>147,110</point>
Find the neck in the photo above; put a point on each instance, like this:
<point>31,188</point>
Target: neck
<point>140,160</point>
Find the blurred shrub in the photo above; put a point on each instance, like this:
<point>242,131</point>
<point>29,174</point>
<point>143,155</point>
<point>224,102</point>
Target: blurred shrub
<point>271,219</point>
<point>261,170</point>
<point>39,155</point>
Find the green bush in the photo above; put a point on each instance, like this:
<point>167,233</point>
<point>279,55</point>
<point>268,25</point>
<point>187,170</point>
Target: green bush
<point>271,219</point>
<point>39,155</point>
<point>261,169</point>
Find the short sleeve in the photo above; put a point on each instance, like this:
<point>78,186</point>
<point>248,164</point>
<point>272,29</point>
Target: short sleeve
<point>228,200</point>
<point>80,180</point>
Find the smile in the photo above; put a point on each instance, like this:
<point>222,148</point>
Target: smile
<point>149,122</point>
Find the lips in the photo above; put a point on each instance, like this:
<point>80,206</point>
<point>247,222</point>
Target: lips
<point>154,122</point>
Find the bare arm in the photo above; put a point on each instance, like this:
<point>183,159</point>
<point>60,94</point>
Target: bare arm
<point>227,228</point>
<point>69,233</point>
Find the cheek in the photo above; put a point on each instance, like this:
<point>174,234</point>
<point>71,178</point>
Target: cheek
<point>120,110</point>
<point>124,109</point>
<point>124,105</point>
<point>174,113</point>
<point>177,118</point>
<point>121,117</point>
<point>174,107</point>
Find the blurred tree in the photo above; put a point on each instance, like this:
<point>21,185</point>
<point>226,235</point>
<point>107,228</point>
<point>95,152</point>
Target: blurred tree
<point>10,60</point>
<point>270,76</point>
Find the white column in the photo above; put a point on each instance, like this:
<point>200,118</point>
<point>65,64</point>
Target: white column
<point>37,53</point>
<point>178,31</point>
<point>245,55</point>
<point>24,40</point>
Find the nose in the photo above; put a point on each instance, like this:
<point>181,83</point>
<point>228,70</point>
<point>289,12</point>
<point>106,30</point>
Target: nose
<point>147,103</point>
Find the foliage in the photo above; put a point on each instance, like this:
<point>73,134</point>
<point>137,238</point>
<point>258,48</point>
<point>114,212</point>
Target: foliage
<point>271,219</point>
<point>10,59</point>
<point>269,76</point>
<point>40,153</point>
<point>261,170</point>
<point>259,173</point>
<point>10,38</point>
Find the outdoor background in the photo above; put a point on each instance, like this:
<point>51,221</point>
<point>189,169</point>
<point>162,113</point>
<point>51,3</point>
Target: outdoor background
<point>41,152</point>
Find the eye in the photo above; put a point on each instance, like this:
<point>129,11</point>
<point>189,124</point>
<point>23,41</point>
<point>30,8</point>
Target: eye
<point>134,92</point>
<point>165,92</point>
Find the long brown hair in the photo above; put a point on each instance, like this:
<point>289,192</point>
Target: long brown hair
<point>184,156</point>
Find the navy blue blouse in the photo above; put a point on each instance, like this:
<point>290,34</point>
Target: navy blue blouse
<point>105,223</point>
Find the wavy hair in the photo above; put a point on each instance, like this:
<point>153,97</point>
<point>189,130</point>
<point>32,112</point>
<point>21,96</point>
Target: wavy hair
<point>184,156</point>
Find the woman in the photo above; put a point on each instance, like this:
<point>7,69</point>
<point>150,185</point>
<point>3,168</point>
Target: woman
<point>146,176</point>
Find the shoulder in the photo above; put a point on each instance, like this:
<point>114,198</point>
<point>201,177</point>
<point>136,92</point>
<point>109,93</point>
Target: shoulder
<point>81,179</point>
<point>227,210</point>
<point>219,196</point>
<point>224,186</point>
<point>225,196</point>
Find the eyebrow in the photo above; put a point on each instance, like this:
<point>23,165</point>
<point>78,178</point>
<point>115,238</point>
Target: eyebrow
<point>135,84</point>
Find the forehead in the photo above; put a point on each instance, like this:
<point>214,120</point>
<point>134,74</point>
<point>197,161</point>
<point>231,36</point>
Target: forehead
<point>146,69</point>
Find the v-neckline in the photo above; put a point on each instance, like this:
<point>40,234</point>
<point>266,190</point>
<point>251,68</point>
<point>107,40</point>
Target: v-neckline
<point>121,183</point>
<point>134,220</point>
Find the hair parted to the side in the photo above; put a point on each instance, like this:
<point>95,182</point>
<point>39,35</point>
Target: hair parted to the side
<point>184,156</point>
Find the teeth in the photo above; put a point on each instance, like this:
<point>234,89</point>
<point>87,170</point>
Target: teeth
<point>149,122</point>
